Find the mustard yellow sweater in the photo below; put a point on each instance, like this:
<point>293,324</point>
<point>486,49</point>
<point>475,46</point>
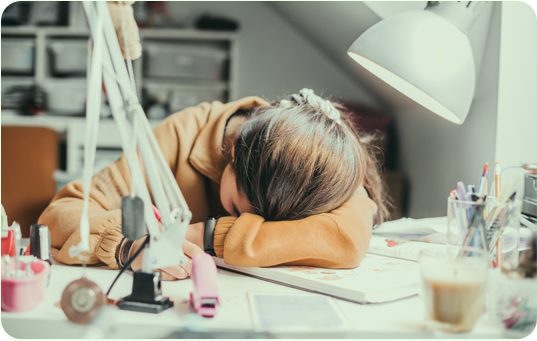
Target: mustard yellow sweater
<point>191,141</point>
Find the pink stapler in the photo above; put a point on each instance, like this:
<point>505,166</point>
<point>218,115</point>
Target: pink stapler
<point>204,299</point>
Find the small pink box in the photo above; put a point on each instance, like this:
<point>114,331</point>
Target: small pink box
<point>24,293</point>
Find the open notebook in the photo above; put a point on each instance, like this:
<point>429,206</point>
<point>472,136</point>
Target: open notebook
<point>388,272</point>
<point>377,279</point>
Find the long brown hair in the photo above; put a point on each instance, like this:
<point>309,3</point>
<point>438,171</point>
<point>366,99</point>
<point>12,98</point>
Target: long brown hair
<point>302,156</point>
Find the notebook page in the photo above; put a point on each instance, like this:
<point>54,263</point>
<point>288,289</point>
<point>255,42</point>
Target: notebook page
<point>375,276</point>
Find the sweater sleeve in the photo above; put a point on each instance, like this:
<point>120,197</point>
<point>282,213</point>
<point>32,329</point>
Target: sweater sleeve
<point>338,239</point>
<point>63,214</point>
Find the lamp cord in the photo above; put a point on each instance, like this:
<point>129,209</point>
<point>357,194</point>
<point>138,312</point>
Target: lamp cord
<point>126,266</point>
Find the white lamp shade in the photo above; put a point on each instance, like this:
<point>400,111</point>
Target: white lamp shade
<point>423,56</point>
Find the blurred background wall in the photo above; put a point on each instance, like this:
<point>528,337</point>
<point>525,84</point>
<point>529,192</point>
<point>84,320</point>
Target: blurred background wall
<point>271,49</point>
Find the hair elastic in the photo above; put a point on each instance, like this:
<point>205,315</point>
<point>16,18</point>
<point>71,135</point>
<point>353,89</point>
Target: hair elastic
<point>307,95</point>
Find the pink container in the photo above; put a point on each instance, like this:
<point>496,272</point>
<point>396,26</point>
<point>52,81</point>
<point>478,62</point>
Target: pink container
<point>24,293</point>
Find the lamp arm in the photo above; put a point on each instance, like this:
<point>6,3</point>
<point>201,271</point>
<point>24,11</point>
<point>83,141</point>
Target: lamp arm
<point>94,97</point>
<point>462,14</point>
<point>165,247</point>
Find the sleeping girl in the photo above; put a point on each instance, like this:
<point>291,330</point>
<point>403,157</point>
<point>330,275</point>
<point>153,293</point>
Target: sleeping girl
<point>290,180</point>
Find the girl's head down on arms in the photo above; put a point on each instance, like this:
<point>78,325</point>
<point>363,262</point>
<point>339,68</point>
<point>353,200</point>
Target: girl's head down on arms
<point>296,158</point>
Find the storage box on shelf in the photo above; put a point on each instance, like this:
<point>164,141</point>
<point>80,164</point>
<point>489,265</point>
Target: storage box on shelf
<point>182,68</point>
<point>185,60</point>
<point>180,96</point>
<point>65,97</point>
<point>64,72</point>
<point>68,57</point>
<point>18,56</point>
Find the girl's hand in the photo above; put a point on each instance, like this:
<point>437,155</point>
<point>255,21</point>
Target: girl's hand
<point>170,273</point>
<point>181,272</point>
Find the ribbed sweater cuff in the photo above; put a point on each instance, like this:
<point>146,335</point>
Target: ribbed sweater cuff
<point>220,232</point>
<point>105,250</point>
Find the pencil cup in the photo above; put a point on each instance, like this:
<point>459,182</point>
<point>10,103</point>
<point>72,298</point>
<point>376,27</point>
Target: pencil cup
<point>487,226</point>
<point>453,287</point>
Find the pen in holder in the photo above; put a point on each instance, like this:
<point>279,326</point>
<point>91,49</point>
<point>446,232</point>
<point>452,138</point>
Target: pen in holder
<point>460,214</point>
<point>489,221</point>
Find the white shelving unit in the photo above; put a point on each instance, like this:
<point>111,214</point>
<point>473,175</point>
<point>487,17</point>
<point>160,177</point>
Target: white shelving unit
<point>73,131</point>
<point>72,128</point>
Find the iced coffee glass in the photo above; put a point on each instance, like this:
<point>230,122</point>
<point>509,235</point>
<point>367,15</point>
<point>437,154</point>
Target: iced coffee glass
<point>453,285</point>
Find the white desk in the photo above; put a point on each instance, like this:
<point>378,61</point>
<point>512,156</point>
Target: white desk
<point>399,319</point>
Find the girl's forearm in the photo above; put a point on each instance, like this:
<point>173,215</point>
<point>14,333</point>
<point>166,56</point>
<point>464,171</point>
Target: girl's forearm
<point>194,234</point>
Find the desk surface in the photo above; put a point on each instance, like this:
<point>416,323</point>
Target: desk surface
<point>398,319</point>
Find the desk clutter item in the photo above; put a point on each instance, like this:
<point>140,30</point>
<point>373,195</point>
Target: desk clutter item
<point>515,295</point>
<point>39,242</point>
<point>204,298</point>
<point>81,300</point>
<point>8,237</point>
<point>8,244</point>
<point>529,201</point>
<point>24,280</point>
<point>514,303</point>
<point>488,222</point>
<point>527,267</point>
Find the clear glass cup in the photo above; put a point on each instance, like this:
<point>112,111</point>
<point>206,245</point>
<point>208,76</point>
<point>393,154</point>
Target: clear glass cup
<point>496,217</point>
<point>513,304</point>
<point>453,287</point>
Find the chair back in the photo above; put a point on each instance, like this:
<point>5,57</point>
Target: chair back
<point>29,159</point>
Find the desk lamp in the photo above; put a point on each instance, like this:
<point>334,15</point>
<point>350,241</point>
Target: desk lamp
<point>426,55</point>
<point>82,299</point>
